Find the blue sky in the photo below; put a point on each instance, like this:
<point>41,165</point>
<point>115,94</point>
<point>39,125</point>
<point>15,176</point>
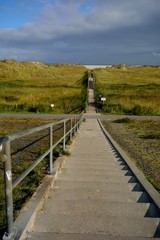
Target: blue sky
<point>81,31</point>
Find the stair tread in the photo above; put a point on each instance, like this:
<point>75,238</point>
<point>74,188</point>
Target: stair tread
<point>81,236</point>
<point>99,207</point>
<point>91,172</point>
<point>96,184</point>
<point>115,226</point>
<point>97,178</point>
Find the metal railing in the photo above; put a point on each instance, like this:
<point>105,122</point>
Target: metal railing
<point>69,127</point>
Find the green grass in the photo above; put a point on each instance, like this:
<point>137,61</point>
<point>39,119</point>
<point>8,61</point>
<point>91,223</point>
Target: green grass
<point>129,90</point>
<point>33,87</point>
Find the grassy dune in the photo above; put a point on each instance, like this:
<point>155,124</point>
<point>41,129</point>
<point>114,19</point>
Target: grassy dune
<point>129,90</point>
<point>34,86</point>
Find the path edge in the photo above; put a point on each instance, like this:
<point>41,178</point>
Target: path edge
<point>153,194</point>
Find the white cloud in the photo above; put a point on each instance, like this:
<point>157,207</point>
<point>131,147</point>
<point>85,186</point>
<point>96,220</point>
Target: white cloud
<point>157,53</point>
<point>66,26</point>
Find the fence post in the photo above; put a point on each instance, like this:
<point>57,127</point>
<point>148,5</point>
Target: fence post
<point>71,130</point>
<point>64,135</point>
<point>74,125</point>
<point>8,191</point>
<point>51,150</point>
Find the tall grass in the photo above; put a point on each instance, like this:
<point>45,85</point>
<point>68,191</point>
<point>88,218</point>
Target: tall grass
<point>33,87</point>
<point>130,90</point>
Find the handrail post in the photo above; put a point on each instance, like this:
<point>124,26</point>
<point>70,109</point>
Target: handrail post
<point>77,125</point>
<point>81,119</point>
<point>8,191</point>
<point>64,135</point>
<point>74,125</point>
<point>71,130</point>
<point>51,150</point>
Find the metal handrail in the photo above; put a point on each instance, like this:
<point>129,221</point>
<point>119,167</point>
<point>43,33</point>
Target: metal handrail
<point>5,156</point>
<point>2,143</point>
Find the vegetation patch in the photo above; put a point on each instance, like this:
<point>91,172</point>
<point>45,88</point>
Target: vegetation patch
<point>129,90</point>
<point>151,136</point>
<point>140,140</point>
<point>124,120</point>
<point>33,87</point>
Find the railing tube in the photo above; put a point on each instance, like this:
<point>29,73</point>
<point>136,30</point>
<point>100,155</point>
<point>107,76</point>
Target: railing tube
<point>74,125</point>
<point>64,135</point>
<point>51,150</point>
<point>71,130</point>
<point>8,190</point>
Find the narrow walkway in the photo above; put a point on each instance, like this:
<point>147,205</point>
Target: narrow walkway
<point>95,197</point>
<point>91,105</point>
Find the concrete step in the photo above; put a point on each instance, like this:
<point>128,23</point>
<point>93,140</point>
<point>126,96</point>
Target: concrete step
<point>89,162</point>
<point>102,150</point>
<point>98,194</point>
<point>77,236</point>
<point>96,166</point>
<point>86,149</point>
<point>99,164</point>
<point>112,186</point>
<point>93,145</point>
<point>97,178</point>
<point>83,223</point>
<point>100,207</point>
<point>102,172</point>
<point>93,155</point>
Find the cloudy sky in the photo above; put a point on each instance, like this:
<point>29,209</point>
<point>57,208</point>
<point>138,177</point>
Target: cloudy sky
<point>81,31</point>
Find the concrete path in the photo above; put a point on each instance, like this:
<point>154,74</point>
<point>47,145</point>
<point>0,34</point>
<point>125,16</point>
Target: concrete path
<point>95,196</point>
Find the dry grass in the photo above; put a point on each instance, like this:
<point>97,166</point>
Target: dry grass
<point>140,139</point>
<point>33,87</point>
<point>129,90</point>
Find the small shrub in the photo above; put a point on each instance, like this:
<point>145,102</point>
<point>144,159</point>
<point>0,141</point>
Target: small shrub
<point>113,108</point>
<point>124,120</point>
<point>140,110</point>
<point>65,152</point>
<point>10,98</point>
<point>151,136</point>
<point>69,142</point>
<point>21,107</point>
<point>39,108</point>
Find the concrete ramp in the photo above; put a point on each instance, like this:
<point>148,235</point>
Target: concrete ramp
<point>95,196</point>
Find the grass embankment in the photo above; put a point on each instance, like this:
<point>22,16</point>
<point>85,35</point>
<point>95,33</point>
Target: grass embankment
<point>34,86</point>
<point>140,140</point>
<point>129,90</point>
